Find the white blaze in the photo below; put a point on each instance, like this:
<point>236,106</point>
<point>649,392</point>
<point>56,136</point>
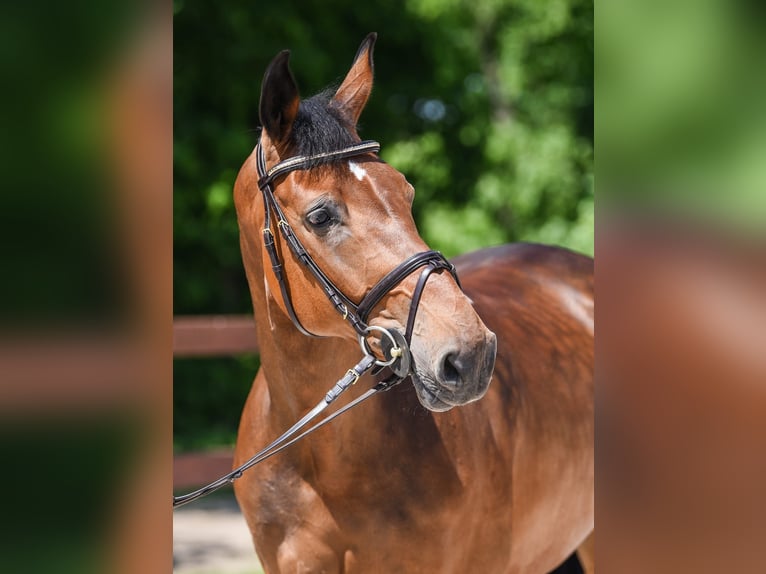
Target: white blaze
<point>357,170</point>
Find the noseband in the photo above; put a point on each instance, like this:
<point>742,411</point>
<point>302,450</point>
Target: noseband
<point>355,313</point>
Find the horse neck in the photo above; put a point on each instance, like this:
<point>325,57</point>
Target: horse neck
<point>299,370</point>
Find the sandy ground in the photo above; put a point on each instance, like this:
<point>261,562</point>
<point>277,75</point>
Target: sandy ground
<point>210,537</point>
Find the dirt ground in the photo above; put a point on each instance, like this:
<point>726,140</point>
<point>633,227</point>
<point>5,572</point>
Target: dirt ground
<point>210,537</point>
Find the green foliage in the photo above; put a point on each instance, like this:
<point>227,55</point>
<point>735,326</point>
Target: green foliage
<point>485,105</point>
<point>209,395</point>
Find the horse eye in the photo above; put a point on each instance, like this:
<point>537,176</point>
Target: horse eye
<point>319,218</point>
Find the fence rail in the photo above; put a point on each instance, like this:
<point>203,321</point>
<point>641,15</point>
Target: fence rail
<point>215,335</point>
<point>209,336</point>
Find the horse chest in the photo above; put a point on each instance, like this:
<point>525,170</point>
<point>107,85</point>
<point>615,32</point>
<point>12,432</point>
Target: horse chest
<point>406,522</point>
<point>435,510</point>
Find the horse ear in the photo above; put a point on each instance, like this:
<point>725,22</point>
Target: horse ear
<point>279,99</point>
<point>353,93</point>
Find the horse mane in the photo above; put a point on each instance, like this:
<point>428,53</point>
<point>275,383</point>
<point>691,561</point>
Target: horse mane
<point>319,127</point>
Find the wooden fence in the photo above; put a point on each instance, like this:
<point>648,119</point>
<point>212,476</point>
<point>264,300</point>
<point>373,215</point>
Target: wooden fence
<point>209,336</point>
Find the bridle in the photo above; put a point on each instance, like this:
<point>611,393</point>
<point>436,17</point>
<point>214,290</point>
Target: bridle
<point>355,313</point>
<point>394,345</point>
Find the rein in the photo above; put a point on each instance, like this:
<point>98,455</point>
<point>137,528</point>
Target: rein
<point>395,345</point>
<point>288,437</point>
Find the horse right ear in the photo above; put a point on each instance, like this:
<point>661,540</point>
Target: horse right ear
<point>279,100</point>
<point>353,93</point>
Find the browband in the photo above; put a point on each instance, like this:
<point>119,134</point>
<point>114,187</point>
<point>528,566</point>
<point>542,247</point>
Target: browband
<point>307,161</point>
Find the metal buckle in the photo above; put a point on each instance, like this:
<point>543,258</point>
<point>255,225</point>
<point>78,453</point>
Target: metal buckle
<point>352,373</point>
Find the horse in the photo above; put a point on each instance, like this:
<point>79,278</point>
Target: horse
<point>483,462</point>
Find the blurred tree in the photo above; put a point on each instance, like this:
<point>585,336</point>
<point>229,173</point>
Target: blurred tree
<point>485,105</point>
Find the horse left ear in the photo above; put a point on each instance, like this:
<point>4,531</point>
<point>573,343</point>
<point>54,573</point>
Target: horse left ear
<point>279,100</point>
<point>353,93</point>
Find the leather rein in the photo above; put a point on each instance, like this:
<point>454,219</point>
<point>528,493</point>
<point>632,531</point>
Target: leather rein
<point>395,345</point>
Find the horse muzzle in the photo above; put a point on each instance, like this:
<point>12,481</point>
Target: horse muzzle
<point>455,376</point>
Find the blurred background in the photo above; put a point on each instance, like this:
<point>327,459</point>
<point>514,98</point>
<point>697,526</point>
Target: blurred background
<point>85,286</point>
<point>681,275</point>
<point>485,105</point>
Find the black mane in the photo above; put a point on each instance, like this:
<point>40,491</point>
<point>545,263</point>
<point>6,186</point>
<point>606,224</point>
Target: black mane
<point>319,127</point>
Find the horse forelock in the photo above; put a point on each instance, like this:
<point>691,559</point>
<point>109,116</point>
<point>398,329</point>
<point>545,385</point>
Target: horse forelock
<point>320,128</point>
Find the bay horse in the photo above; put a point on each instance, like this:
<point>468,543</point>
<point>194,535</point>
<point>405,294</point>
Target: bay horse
<point>484,463</point>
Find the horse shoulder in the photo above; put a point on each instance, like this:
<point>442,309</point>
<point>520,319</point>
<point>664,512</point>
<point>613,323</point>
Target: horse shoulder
<point>539,302</point>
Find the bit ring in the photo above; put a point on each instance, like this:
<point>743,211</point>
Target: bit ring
<point>396,350</point>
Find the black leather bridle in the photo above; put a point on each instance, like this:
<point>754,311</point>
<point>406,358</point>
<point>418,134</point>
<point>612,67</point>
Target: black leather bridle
<point>355,313</point>
<point>395,345</point>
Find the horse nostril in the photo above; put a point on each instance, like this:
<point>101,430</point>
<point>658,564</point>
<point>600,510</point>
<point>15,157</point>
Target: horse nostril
<point>450,372</point>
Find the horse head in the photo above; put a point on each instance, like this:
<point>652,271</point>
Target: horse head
<point>353,217</point>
